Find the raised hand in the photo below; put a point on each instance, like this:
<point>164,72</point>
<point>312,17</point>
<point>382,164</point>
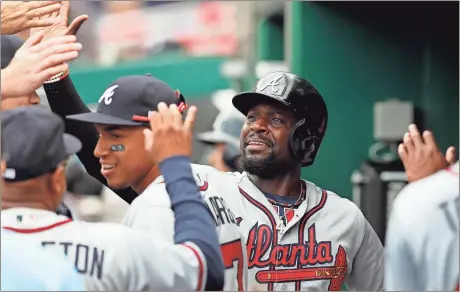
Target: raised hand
<point>21,15</point>
<point>168,135</point>
<point>35,62</point>
<point>421,156</point>
<point>60,26</point>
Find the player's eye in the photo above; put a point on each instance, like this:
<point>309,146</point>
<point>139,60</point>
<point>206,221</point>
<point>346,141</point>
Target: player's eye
<point>251,118</point>
<point>113,135</point>
<point>277,121</point>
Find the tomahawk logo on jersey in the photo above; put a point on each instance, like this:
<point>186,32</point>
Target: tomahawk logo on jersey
<point>142,216</point>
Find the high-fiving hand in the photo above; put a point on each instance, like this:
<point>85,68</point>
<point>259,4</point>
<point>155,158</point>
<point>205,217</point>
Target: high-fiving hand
<point>35,62</point>
<point>60,26</point>
<point>421,156</point>
<point>168,135</point>
<point>21,15</point>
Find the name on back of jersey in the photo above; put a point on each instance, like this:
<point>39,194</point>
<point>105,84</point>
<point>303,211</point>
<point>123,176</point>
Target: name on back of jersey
<point>221,213</point>
<point>88,260</point>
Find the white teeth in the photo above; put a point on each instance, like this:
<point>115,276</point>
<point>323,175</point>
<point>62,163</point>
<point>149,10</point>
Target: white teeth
<point>107,166</point>
<point>257,143</point>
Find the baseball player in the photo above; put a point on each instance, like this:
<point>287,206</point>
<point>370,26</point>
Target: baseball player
<point>298,235</point>
<point>26,266</point>
<point>225,141</point>
<point>422,242</point>
<point>110,256</point>
<point>120,119</point>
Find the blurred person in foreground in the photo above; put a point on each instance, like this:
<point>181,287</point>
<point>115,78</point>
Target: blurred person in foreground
<point>110,256</point>
<point>18,16</point>
<point>422,242</point>
<point>224,141</point>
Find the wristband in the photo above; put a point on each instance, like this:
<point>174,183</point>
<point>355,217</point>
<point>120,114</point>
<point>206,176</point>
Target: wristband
<point>57,77</point>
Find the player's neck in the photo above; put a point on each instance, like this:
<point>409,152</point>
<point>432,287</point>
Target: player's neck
<point>284,185</point>
<point>146,180</point>
<point>33,203</point>
<point>27,196</point>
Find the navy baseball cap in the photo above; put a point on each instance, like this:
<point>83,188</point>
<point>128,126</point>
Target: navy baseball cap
<point>128,101</point>
<point>34,142</point>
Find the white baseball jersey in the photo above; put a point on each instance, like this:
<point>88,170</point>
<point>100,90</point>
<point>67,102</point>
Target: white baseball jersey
<point>422,248</point>
<point>150,212</point>
<point>326,244</point>
<point>26,266</point>
<point>112,257</point>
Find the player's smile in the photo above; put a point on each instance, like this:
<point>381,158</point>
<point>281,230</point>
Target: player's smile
<point>257,145</point>
<point>107,168</point>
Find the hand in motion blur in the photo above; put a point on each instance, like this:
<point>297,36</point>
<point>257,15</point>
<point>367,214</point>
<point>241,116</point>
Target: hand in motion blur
<point>421,155</point>
<point>35,62</point>
<point>60,24</point>
<point>21,15</point>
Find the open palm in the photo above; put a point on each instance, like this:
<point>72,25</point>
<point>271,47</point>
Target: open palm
<point>60,26</point>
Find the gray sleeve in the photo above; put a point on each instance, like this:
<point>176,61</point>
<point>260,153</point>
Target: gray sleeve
<point>399,261</point>
<point>368,270</point>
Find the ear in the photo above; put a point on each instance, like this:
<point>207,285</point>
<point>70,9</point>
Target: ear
<point>3,166</point>
<point>58,182</point>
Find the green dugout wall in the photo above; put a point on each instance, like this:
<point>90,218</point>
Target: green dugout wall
<point>195,77</point>
<point>358,53</point>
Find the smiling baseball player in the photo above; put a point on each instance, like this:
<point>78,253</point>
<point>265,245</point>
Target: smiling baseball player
<point>110,256</point>
<point>118,143</point>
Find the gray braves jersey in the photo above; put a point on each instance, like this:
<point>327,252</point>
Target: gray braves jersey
<point>151,212</point>
<point>423,235</point>
<point>112,257</point>
<point>327,243</point>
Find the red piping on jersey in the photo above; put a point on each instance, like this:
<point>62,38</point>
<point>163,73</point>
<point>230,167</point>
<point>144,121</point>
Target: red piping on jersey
<point>450,170</point>
<point>39,229</point>
<point>302,224</point>
<point>204,187</point>
<point>201,268</point>
<point>267,212</point>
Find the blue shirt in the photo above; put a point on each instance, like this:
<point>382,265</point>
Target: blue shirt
<point>26,266</point>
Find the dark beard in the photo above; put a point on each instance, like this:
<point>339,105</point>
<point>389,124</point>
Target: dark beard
<point>266,168</point>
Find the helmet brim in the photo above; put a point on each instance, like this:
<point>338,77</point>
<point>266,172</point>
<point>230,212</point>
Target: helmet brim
<point>246,100</point>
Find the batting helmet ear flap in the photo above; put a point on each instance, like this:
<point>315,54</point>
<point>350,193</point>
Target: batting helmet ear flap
<point>303,143</point>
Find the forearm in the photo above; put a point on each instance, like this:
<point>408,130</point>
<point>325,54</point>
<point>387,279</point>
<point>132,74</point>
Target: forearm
<point>64,100</point>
